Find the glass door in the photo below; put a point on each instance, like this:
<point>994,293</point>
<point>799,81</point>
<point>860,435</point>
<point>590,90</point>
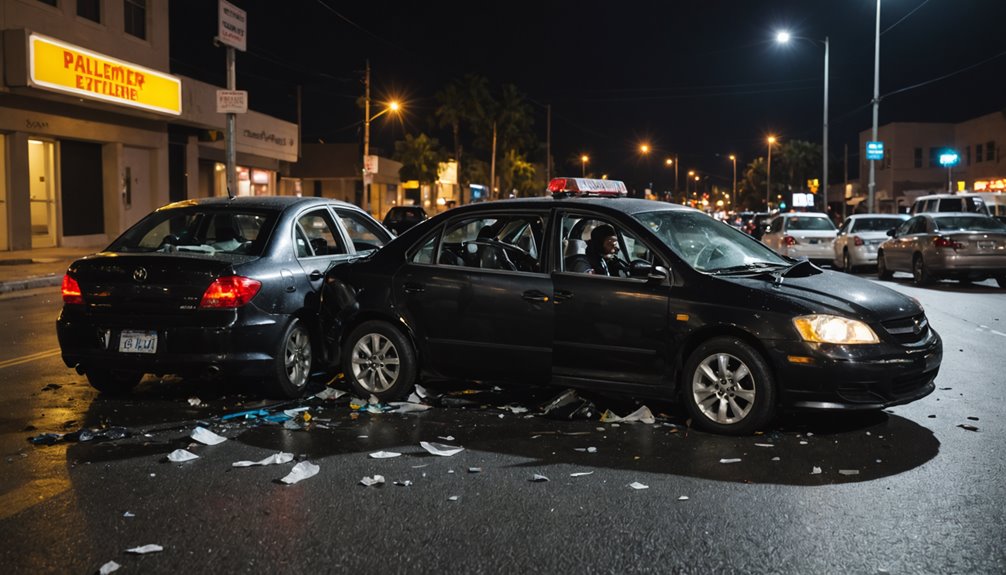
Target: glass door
<point>41,175</point>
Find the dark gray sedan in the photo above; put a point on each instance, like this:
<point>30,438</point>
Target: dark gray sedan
<point>211,285</point>
<point>962,246</point>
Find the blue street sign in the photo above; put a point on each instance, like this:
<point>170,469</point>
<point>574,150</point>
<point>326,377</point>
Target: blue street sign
<point>949,159</point>
<point>874,150</point>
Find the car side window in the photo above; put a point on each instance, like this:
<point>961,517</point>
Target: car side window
<point>776,225</point>
<point>317,230</point>
<point>576,232</point>
<point>510,243</point>
<point>365,233</point>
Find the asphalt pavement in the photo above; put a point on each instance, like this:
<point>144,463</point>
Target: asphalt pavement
<point>43,267</point>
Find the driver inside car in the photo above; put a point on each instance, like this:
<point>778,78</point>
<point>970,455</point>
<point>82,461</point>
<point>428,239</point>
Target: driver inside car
<point>601,257</point>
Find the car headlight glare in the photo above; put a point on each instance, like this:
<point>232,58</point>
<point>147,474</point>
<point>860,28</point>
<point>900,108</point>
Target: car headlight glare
<point>821,328</point>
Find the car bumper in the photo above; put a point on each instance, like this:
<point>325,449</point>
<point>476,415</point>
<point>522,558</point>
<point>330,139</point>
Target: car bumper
<point>863,256</point>
<point>823,252</point>
<point>849,378</point>
<point>243,349</point>
<point>984,265</point>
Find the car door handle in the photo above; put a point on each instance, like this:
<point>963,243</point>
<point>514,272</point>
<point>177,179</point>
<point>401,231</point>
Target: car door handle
<point>535,296</point>
<point>413,288</point>
<point>315,275</point>
<point>562,295</point>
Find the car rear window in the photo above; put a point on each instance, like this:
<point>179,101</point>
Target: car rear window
<point>968,223</point>
<point>204,231</point>
<point>876,224</point>
<point>809,223</point>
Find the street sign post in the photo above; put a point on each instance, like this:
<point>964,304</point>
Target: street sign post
<point>874,150</point>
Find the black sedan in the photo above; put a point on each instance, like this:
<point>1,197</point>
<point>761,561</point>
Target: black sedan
<point>675,305</point>
<point>212,285</point>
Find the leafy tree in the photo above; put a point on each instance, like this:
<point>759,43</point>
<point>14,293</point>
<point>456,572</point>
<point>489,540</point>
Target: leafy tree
<point>420,157</point>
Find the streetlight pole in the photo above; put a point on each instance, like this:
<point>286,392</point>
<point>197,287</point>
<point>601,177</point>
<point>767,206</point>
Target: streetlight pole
<point>583,165</point>
<point>876,111</point>
<point>733,198</point>
<point>768,176</point>
<point>367,118</point>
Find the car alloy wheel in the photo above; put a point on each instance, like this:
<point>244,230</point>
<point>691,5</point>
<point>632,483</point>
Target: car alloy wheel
<point>920,275</point>
<point>378,360</point>
<point>847,263</point>
<point>729,388</point>
<point>882,271</point>
<point>291,363</point>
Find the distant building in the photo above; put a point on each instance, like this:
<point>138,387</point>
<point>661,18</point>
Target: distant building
<point>911,164</point>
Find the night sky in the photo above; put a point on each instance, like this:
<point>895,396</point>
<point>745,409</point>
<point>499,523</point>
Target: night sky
<point>700,79</point>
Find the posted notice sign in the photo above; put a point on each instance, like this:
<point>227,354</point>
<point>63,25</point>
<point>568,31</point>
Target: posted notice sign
<point>874,150</point>
<point>232,101</point>
<point>233,30</point>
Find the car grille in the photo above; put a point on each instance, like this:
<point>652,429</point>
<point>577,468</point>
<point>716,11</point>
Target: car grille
<point>908,384</point>
<point>908,330</point>
<point>885,391</point>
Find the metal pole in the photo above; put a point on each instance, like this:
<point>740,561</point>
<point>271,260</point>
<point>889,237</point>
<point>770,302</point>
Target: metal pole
<point>548,144</point>
<point>876,105</point>
<point>366,140</point>
<point>492,167</point>
<point>733,201</point>
<point>232,174</point>
<point>824,183</point>
<point>768,180</point>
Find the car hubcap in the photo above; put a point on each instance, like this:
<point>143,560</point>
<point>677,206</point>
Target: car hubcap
<point>918,271</point>
<point>375,363</point>
<point>298,358</point>
<point>723,388</point>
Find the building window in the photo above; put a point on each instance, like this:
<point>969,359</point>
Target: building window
<point>990,151</point>
<point>135,15</point>
<point>90,9</point>
<point>918,157</point>
<point>978,153</point>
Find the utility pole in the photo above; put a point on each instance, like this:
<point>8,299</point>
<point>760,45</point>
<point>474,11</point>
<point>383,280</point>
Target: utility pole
<point>232,172</point>
<point>492,167</point>
<point>824,183</point>
<point>846,187</point>
<point>876,112</point>
<point>548,144</point>
<point>366,140</point>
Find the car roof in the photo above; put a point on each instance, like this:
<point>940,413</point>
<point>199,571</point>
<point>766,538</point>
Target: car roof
<point>891,216</point>
<point>618,204</point>
<point>804,214</point>
<point>261,202</point>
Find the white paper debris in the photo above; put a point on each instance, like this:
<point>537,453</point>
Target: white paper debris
<point>408,406</point>
<point>642,414</point>
<point>421,391</point>
<point>151,548</point>
<point>375,480</point>
<point>586,449</point>
<point>803,443</point>
<point>849,471</point>
<point>474,470</point>
<point>446,437</point>
<point>129,514</point>
<point>329,393</point>
<point>372,400</point>
<point>441,449</point>
<point>764,445</point>
<point>274,459</point>
<point>514,409</point>
<point>638,485</point>
<point>683,498</point>
<point>180,455</point>
<point>109,567</point>
<point>206,437</point>
<point>776,459</point>
<point>538,477</point>
<point>384,454</point>
<point>405,483</point>
<point>815,471</point>
<point>293,412</point>
<point>733,460</point>
<point>194,402</point>
<point>581,473</point>
<point>452,498</point>
<point>300,472</point>
<point>414,398</point>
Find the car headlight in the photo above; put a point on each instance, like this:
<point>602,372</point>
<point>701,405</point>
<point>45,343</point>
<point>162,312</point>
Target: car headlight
<point>820,328</point>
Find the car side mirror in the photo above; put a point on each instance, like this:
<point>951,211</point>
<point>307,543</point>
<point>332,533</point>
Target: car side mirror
<point>891,232</point>
<point>658,274</point>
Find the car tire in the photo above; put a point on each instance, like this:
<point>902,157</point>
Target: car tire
<point>882,271</point>
<point>715,400</point>
<point>847,266</point>
<point>920,274</point>
<point>291,368</point>
<point>378,360</point>
<point>113,382</point>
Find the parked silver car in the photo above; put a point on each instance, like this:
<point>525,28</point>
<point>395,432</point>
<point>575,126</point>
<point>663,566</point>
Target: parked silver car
<point>961,246</point>
<point>858,238</point>
<point>801,235</point>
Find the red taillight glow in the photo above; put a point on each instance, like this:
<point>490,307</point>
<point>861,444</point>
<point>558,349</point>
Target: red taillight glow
<point>789,241</point>
<point>230,291</point>
<point>946,243</point>
<point>71,291</point>
<point>856,240</point>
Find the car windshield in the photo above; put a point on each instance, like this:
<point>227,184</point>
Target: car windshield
<point>198,230</point>
<point>876,224</point>
<point>809,223</point>
<point>709,245</point>
<point>968,223</point>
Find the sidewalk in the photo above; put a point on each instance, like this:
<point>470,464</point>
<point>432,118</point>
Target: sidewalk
<point>43,267</point>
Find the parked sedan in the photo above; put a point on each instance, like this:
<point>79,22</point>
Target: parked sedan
<point>212,285</point>
<point>859,236</point>
<point>962,246</point>
<point>400,218</point>
<point>801,235</point>
<point>682,307</point>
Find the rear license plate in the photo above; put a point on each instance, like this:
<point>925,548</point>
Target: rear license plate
<point>813,241</point>
<point>138,342</point>
<point>986,245</point>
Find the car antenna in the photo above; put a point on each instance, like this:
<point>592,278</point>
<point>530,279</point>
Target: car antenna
<point>230,194</point>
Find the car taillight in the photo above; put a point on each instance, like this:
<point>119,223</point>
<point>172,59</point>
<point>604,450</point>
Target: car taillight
<point>947,243</point>
<point>856,240</point>
<point>230,291</point>
<point>71,291</point>
<point>789,241</point>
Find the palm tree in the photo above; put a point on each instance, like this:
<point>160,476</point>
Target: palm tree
<point>800,161</point>
<point>420,157</point>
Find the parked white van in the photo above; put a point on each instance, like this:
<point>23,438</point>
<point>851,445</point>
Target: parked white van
<point>963,202</point>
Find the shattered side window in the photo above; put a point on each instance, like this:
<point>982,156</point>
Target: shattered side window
<point>208,232</point>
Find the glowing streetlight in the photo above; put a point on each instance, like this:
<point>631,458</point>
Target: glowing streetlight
<point>644,148</point>
<point>768,174</point>
<point>583,165</point>
<point>733,205</point>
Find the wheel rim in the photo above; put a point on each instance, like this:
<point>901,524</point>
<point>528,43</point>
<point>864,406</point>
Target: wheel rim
<point>846,263</point>
<point>376,363</point>
<point>917,270</point>
<point>297,358</point>
<point>723,388</point>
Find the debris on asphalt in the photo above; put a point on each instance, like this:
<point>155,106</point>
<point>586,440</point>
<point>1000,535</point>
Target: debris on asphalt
<point>109,567</point>
<point>149,548</point>
<point>446,437</point>
<point>642,415</point>
<point>420,391</point>
<point>968,427</point>
<point>590,449</point>
<point>581,473</point>
<point>683,498</point>
<point>972,418</point>
<point>82,435</point>
<point>52,387</point>
<point>514,409</point>
<point>440,449</point>
<point>405,483</point>
<point>129,514</point>
<point>637,485</point>
<point>384,454</point>
<point>180,455</point>
<point>848,472</point>
<point>764,445</point>
<point>300,472</point>
<point>46,438</point>
<point>274,459</point>
<point>408,406</point>
<point>732,460</point>
<point>474,470</point>
<point>249,414</point>
<point>375,480</point>
<point>329,393</point>
<point>207,437</point>
<point>538,478</point>
<point>452,498</point>
<point>815,471</point>
<point>195,401</point>
<point>569,405</point>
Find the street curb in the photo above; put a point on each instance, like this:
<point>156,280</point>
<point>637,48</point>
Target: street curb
<point>31,283</point>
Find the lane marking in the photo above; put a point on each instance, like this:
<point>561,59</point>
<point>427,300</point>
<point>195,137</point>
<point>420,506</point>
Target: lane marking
<point>31,357</point>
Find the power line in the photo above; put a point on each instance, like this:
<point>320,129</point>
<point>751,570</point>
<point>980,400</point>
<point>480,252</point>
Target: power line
<point>905,17</point>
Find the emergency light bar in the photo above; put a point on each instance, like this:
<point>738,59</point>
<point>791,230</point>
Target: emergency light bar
<point>560,187</point>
